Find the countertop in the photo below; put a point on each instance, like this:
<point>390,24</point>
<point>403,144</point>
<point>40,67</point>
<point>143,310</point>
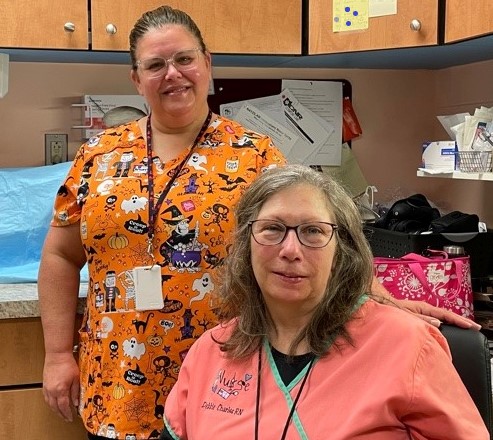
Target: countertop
<point>21,300</point>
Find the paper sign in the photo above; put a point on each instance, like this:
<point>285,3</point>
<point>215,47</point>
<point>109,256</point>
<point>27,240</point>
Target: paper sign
<point>378,8</point>
<point>305,124</point>
<point>324,99</point>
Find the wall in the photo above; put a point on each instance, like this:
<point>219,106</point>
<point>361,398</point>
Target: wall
<point>397,110</point>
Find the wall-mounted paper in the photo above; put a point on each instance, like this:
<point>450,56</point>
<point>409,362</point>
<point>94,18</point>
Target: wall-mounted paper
<point>377,8</point>
<point>324,99</point>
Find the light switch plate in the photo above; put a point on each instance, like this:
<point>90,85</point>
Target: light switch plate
<point>56,148</point>
<point>4,74</point>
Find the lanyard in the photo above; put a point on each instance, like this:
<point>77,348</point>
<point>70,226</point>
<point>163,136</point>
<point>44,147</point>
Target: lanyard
<point>293,406</point>
<point>154,208</point>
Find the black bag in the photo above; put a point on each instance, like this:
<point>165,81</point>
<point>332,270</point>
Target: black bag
<point>455,222</point>
<point>411,215</point>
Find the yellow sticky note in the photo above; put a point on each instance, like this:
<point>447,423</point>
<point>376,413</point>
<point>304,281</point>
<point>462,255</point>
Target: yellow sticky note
<point>349,15</point>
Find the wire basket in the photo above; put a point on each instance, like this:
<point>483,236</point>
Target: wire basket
<point>474,161</point>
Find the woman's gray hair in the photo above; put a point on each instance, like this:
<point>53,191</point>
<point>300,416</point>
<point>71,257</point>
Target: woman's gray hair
<point>159,18</point>
<point>351,275</point>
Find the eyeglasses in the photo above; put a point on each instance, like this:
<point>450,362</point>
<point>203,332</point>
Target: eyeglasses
<point>182,61</point>
<point>272,232</point>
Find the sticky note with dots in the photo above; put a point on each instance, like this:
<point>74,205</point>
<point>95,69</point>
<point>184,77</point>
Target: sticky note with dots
<point>350,15</point>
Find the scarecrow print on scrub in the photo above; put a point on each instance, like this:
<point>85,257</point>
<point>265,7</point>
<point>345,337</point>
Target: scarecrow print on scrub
<point>130,359</point>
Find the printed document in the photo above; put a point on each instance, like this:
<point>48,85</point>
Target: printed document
<point>324,99</point>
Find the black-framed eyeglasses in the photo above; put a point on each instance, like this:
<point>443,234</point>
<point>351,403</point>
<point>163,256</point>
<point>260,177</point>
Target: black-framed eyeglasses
<point>182,61</point>
<point>312,234</point>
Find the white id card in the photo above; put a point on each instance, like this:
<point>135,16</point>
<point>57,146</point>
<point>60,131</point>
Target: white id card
<point>148,292</point>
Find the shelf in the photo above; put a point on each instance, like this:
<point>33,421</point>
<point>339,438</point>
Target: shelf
<point>429,57</point>
<point>487,177</point>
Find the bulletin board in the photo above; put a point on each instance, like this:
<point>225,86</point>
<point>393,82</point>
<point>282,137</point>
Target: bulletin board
<point>234,89</point>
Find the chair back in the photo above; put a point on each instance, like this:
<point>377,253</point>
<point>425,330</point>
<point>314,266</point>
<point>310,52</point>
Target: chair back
<point>472,360</point>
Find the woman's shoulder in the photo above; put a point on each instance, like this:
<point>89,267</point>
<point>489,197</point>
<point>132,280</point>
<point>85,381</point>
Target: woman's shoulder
<point>393,323</point>
<point>236,126</point>
<point>123,136</point>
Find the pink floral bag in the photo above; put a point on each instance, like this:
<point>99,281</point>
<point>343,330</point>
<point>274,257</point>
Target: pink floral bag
<point>438,280</point>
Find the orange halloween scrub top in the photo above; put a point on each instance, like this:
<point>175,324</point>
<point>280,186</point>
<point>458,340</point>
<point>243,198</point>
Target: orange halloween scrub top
<point>129,359</point>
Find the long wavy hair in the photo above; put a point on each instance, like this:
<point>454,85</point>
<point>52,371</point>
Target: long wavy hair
<point>240,296</point>
<point>159,18</point>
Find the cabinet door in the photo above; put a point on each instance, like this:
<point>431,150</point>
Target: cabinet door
<point>384,32</point>
<point>228,26</point>
<point>23,360</point>
<point>23,345</point>
<point>41,24</point>
<point>468,18</point>
<point>25,415</point>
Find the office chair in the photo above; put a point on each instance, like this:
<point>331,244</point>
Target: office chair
<point>471,358</point>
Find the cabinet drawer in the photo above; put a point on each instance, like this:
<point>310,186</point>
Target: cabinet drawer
<point>22,351</point>
<point>25,415</point>
<point>22,359</point>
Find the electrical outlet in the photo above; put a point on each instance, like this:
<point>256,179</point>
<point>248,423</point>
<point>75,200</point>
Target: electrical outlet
<point>56,148</point>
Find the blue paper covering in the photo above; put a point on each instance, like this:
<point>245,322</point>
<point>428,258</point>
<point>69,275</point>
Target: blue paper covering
<point>26,207</point>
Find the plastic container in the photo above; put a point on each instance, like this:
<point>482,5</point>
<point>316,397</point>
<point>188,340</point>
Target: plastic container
<point>479,246</point>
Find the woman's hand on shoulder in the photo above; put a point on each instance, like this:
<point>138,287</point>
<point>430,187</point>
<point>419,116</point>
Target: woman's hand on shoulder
<point>431,314</point>
<point>435,315</point>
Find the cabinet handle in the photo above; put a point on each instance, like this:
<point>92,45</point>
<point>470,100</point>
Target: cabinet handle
<point>415,25</point>
<point>69,27</point>
<point>111,29</point>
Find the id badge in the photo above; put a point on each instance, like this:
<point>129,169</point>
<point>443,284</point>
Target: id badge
<point>148,291</point>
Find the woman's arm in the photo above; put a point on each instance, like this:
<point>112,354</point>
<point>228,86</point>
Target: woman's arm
<point>58,290</point>
<point>431,314</point>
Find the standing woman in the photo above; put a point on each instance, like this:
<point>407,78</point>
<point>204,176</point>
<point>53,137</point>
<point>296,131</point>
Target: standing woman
<point>148,205</point>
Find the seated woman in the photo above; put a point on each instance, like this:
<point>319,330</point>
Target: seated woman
<point>303,351</point>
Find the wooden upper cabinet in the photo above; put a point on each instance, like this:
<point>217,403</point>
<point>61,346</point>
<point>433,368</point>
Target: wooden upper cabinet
<point>384,32</point>
<point>44,24</point>
<point>467,19</point>
<point>227,26</point>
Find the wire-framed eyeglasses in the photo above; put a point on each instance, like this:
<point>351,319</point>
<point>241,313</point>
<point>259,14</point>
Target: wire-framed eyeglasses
<point>272,232</point>
<point>182,61</point>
